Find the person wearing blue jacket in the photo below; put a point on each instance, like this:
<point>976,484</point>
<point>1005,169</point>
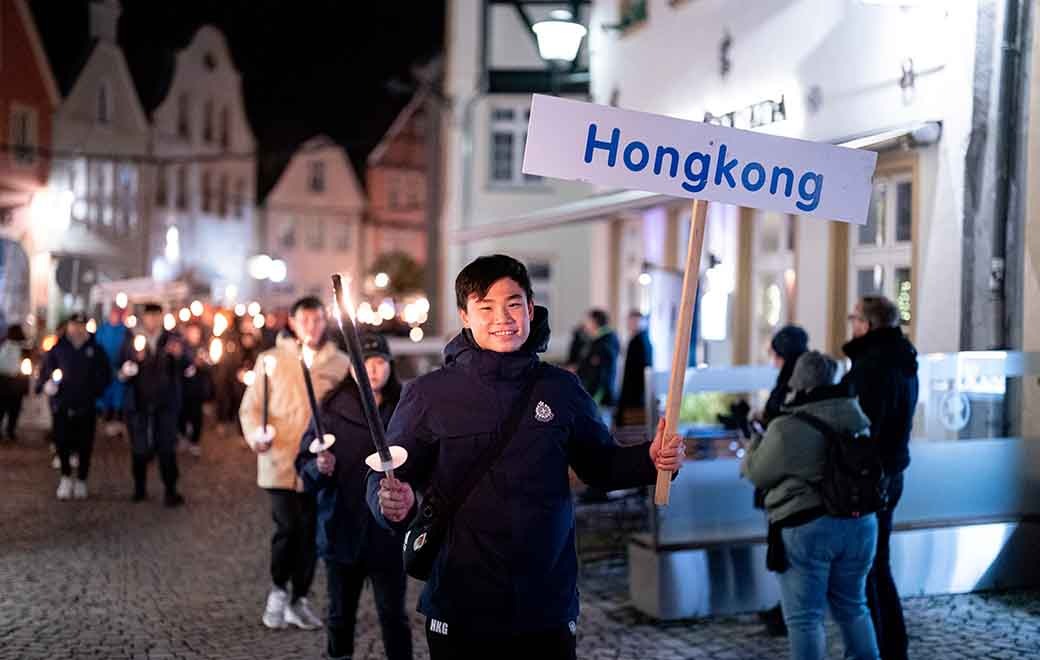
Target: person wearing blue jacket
<point>353,546</point>
<point>84,374</point>
<point>111,336</point>
<point>504,584</point>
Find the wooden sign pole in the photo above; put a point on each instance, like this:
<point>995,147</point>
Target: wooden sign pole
<point>682,338</point>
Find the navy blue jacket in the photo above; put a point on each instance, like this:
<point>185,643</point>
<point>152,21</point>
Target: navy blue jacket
<point>159,382</point>
<point>884,377</point>
<point>85,375</point>
<point>347,533</point>
<point>509,563</point>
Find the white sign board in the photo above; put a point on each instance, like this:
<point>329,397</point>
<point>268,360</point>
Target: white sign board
<point>625,149</point>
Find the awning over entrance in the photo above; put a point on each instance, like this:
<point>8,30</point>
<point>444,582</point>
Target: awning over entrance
<point>599,206</point>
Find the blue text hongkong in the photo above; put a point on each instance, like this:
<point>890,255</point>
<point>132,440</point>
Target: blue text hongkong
<point>697,169</point>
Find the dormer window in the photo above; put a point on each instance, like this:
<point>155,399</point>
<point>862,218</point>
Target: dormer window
<point>209,60</point>
<point>317,176</point>
<point>103,113</point>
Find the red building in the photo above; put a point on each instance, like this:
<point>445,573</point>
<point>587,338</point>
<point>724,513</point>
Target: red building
<point>28,99</point>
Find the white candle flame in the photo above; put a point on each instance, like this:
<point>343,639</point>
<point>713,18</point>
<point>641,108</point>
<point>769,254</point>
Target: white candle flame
<point>27,367</point>
<point>56,375</point>
<point>216,350</point>
<point>139,343</point>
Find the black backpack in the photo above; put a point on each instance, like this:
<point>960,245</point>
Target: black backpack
<point>853,483</point>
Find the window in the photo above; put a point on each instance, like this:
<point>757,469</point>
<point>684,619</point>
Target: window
<point>287,234</point>
<point>222,196</point>
<point>23,134</point>
<point>773,281</point>
<point>508,135</point>
<point>107,194</point>
<point>412,191</point>
<point>182,188</point>
<point>207,191</point>
<point>393,191</point>
<point>183,116</point>
<point>104,103</point>
<point>314,237</point>
<point>881,251</point>
<point>540,271</point>
<point>126,198</point>
<point>316,176</point>
<point>207,122</point>
<point>162,194</point>
<point>225,127</point>
<point>239,202</point>
<point>343,230</point>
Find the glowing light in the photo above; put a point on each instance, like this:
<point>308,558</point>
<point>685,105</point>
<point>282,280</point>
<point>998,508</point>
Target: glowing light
<point>259,321</point>
<point>27,367</point>
<point>230,293</point>
<point>423,305</point>
<point>56,375</point>
<point>382,280</point>
<point>249,377</point>
<point>197,308</point>
<point>645,279</point>
<point>169,321</point>
<point>269,364</point>
<point>220,324</point>
<point>91,326</point>
<point>131,321</point>
<point>386,310</point>
<point>184,315</point>
<point>411,314</point>
<point>140,343</point>
<point>279,271</point>
<point>121,300</point>
<point>173,245</point>
<point>416,334</point>
<point>216,350</point>
<point>259,267</point>
<point>308,355</point>
<point>240,309</point>
<point>365,314</point>
<point>253,309</point>
<point>48,342</point>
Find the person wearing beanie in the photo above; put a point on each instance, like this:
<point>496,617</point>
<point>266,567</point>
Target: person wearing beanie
<point>787,345</point>
<point>352,544</point>
<point>821,559</point>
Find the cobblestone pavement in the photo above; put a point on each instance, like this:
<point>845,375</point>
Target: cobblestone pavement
<point>107,578</point>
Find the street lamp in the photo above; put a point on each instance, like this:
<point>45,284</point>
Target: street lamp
<point>559,37</point>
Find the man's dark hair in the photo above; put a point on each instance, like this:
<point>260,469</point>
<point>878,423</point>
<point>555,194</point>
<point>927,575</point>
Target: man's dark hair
<point>880,312</point>
<point>152,308</point>
<point>307,302</point>
<point>479,275</point>
<point>636,314</point>
<point>599,317</point>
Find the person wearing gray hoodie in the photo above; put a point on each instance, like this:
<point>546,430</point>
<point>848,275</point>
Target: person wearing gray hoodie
<point>824,560</point>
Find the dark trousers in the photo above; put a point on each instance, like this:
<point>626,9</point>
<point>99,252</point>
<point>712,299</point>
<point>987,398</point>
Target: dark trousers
<point>10,410</point>
<point>293,553</point>
<point>388,586</point>
<point>190,423</point>
<point>74,434</point>
<point>559,644</point>
<point>882,597</point>
<point>153,433</point>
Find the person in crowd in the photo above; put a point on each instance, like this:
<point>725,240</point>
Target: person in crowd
<point>198,388</point>
<point>598,366</point>
<point>575,348</point>
<point>355,548</point>
<point>293,510</point>
<point>152,364</point>
<point>505,582</point>
<point>229,388</point>
<point>787,345</point>
<point>884,377</point>
<point>638,356</point>
<point>822,560</point>
<point>111,336</point>
<point>84,375</point>
<point>13,383</point>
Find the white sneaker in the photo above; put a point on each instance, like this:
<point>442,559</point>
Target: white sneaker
<point>274,612</point>
<point>56,463</point>
<point>79,489</point>
<point>300,615</point>
<point>64,488</point>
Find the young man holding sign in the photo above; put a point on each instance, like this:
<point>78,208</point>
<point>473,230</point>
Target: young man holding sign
<point>504,583</point>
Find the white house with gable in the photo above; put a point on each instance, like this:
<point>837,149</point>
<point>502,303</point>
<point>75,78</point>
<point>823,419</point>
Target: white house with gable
<point>312,222</point>
<point>204,218</point>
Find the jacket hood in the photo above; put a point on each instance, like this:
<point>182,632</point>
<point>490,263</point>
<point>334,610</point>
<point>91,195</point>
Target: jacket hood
<point>834,404</point>
<point>463,350</point>
<point>889,346</point>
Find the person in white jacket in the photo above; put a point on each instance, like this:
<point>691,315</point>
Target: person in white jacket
<point>293,553</point>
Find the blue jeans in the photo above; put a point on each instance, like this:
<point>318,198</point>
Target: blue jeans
<point>829,560</point>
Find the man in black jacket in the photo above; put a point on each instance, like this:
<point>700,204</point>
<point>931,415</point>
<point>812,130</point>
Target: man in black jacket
<point>638,356</point>
<point>74,374</point>
<point>504,584</point>
<point>598,367</point>
<point>153,365</point>
<point>884,376</point>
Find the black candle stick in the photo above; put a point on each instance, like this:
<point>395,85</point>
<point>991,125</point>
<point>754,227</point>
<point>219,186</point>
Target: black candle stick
<point>357,360</point>
<point>319,430</point>
<point>266,363</point>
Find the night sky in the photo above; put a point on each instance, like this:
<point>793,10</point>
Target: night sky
<point>339,67</point>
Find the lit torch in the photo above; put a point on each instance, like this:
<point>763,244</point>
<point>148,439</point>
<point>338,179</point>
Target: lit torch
<point>216,350</point>
<point>386,459</point>
<point>322,440</point>
<point>27,367</point>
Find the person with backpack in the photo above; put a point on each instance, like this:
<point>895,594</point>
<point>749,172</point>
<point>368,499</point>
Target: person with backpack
<point>354,547</point>
<point>884,378</point>
<point>811,463</point>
